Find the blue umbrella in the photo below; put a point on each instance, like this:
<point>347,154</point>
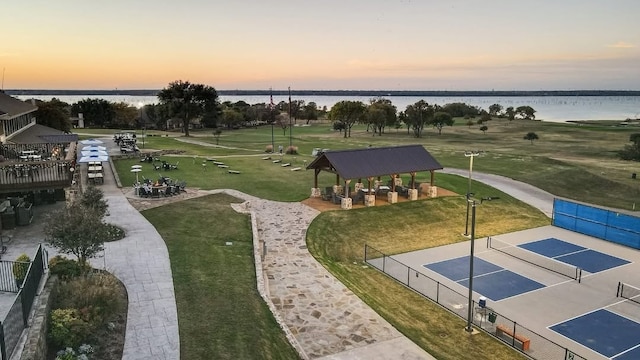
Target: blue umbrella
<point>91,142</point>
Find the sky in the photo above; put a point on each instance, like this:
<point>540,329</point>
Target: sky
<point>323,45</point>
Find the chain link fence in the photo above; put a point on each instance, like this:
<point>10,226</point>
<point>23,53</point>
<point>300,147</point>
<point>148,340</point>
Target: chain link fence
<point>508,331</point>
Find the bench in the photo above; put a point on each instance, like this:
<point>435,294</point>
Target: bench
<point>286,164</point>
<point>234,172</point>
<point>503,330</point>
<point>296,169</point>
<point>266,158</point>
<point>223,166</point>
<point>276,161</point>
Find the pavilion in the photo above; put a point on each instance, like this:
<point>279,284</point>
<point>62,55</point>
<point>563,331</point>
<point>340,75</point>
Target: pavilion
<point>372,164</point>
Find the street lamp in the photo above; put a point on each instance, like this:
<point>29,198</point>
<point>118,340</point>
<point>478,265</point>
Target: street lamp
<point>470,155</point>
<point>472,202</point>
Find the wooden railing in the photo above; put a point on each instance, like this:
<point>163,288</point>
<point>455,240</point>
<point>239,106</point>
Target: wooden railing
<point>35,175</point>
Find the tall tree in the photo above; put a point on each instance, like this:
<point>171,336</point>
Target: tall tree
<point>417,116</point>
<point>188,101</point>
<point>511,113</point>
<point>96,112</point>
<point>54,114</point>
<point>348,113</point>
<point>380,114</point>
<point>631,152</point>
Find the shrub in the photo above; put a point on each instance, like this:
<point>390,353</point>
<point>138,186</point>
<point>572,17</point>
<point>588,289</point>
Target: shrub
<point>96,295</point>
<point>292,150</point>
<point>67,329</point>
<point>65,268</point>
<point>114,233</point>
<point>69,354</point>
<point>268,149</point>
<point>20,267</point>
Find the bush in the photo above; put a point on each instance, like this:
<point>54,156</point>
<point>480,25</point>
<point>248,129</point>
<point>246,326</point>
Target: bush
<point>67,329</point>
<point>69,354</point>
<point>66,268</point>
<point>96,294</point>
<point>114,233</point>
<point>20,267</point>
<point>292,150</point>
<point>268,149</point>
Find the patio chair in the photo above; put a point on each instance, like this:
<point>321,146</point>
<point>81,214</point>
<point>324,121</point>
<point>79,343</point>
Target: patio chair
<point>155,192</point>
<point>358,198</point>
<point>327,193</point>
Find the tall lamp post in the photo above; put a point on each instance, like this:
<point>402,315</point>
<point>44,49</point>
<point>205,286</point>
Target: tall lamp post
<point>290,123</point>
<point>272,118</point>
<point>470,155</point>
<point>472,202</point>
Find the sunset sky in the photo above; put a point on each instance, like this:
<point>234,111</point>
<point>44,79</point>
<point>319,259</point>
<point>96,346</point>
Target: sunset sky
<point>332,45</point>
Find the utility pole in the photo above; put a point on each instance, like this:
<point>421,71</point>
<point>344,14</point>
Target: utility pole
<point>290,123</point>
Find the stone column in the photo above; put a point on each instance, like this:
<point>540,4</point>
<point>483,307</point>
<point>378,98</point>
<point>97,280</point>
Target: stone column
<point>370,200</point>
<point>433,191</point>
<point>413,194</point>
<point>376,184</point>
<point>337,189</point>
<point>346,203</point>
<point>315,192</point>
<point>392,197</point>
<point>358,186</point>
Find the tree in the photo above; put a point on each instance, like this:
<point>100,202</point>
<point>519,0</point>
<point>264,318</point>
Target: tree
<point>310,112</point>
<point>348,113</point>
<point>231,118</point>
<point>96,112</point>
<point>511,113</point>
<point>470,123</point>
<point>460,109</point>
<point>417,115</point>
<point>380,114</point>
<point>54,114</point>
<point>484,129</point>
<point>188,101</point>
<point>631,152</point>
<point>124,115</point>
<point>440,119</point>
<point>531,136</point>
<point>495,109</point>
<point>79,229</point>
<point>526,112</point>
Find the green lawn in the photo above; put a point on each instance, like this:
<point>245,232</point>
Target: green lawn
<point>220,313</point>
<point>568,160</point>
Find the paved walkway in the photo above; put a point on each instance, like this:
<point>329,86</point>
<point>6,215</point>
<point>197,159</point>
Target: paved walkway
<point>141,262</point>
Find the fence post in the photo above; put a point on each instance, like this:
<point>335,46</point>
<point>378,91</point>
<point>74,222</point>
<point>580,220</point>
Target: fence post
<point>365,253</point>
<point>513,337</point>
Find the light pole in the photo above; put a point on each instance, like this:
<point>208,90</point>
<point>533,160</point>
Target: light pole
<point>472,202</point>
<point>470,155</point>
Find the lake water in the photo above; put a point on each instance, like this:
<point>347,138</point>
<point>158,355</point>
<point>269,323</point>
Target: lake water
<point>548,108</point>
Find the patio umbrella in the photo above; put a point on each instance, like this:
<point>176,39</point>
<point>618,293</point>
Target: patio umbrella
<point>94,148</point>
<point>91,142</point>
<point>99,158</point>
<point>136,171</point>
<point>97,153</point>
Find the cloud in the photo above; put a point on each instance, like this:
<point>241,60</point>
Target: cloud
<point>621,45</point>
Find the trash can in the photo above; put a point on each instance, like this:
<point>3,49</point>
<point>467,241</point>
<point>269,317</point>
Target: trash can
<point>482,302</point>
<point>9,219</point>
<point>492,317</point>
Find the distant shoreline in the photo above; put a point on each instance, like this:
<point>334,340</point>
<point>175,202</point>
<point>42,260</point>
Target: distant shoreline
<point>380,93</point>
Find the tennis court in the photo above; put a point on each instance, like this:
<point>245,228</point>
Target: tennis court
<point>557,283</point>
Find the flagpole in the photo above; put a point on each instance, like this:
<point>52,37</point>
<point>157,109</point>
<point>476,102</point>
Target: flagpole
<point>272,118</point>
<point>290,124</point>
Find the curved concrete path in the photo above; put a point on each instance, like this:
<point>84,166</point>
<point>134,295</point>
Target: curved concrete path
<point>141,262</point>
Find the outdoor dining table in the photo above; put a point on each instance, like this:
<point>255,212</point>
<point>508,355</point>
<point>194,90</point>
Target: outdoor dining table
<point>95,168</point>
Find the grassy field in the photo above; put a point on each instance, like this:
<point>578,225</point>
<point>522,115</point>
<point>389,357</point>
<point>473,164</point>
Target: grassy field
<point>220,313</point>
<point>569,160</point>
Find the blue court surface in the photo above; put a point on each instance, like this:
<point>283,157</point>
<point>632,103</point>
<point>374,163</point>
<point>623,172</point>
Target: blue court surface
<point>489,280</point>
<point>607,333</point>
<point>586,259</point>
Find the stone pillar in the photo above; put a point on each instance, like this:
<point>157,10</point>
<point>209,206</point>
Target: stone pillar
<point>358,186</point>
<point>376,184</point>
<point>337,189</point>
<point>370,200</point>
<point>346,204</point>
<point>398,181</point>
<point>392,197</point>
<point>315,192</point>
<point>413,194</point>
<point>433,191</point>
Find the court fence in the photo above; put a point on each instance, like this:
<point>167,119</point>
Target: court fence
<point>17,317</point>
<point>506,330</point>
<point>597,222</point>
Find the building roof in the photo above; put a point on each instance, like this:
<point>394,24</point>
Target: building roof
<point>37,134</point>
<point>13,107</point>
<point>372,162</point>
